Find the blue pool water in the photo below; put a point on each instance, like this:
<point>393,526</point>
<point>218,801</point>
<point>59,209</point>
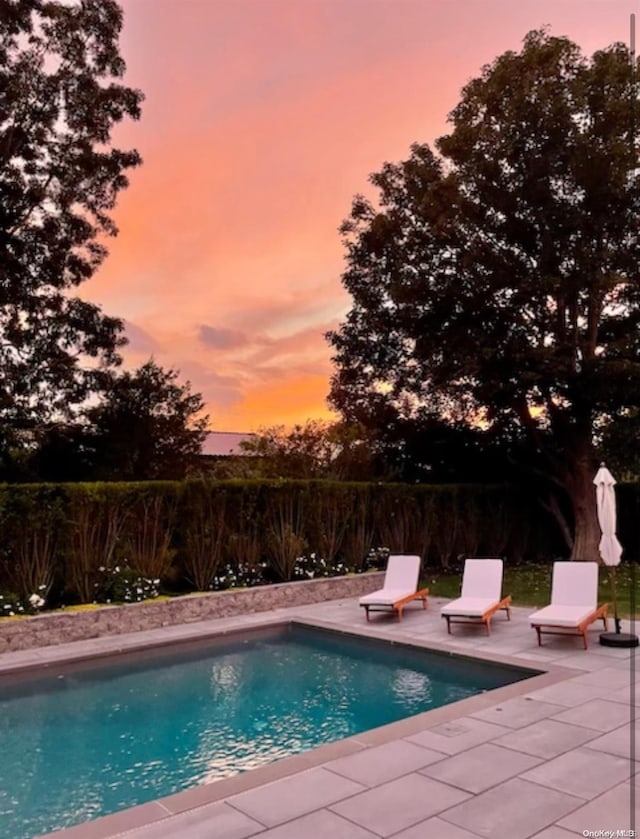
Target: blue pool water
<point>89,740</point>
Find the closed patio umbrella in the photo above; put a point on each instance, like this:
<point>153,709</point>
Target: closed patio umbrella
<point>610,549</point>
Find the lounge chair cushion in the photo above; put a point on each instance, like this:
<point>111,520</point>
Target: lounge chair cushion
<point>482,578</point>
<point>575,584</point>
<point>570,616</point>
<point>474,607</point>
<point>385,596</point>
<point>402,573</point>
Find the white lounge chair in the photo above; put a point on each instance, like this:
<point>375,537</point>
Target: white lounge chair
<point>481,595</point>
<point>574,602</point>
<point>399,588</point>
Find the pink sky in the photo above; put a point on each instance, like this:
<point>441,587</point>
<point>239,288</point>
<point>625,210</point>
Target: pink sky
<point>262,119</point>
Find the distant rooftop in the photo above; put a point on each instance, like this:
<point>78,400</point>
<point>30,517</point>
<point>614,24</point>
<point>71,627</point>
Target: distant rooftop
<point>222,443</point>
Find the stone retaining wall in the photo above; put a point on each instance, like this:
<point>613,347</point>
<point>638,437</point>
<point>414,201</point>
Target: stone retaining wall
<point>61,627</point>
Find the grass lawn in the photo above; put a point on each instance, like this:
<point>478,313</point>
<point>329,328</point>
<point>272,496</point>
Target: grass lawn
<point>530,585</point>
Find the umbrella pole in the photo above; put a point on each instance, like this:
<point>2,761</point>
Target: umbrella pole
<point>611,570</point>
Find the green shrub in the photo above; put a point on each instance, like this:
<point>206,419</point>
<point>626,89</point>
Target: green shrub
<point>313,566</point>
<point>285,519</point>
<point>11,604</point>
<point>96,515</point>
<point>148,528</point>
<point>122,584</point>
<point>203,513</point>
<point>31,521</point>
<point>240,575</point>
<point>208,535</point>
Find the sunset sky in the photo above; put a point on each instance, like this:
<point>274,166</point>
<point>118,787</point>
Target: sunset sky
<point>262,120</point>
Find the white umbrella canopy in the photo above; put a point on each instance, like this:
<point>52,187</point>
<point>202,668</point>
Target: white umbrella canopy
<point>610,548</point>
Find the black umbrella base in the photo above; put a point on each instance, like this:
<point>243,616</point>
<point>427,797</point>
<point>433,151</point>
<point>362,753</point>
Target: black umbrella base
<point>618,639</point>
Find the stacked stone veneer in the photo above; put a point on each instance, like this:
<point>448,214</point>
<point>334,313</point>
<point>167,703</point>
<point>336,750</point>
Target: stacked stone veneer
<point>61,627</point>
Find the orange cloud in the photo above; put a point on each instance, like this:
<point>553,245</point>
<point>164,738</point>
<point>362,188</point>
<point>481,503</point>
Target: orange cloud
<point>278,403</point>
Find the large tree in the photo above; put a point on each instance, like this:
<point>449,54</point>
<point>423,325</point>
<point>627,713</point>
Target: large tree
<point>60,97</point>
<point>496,279</point>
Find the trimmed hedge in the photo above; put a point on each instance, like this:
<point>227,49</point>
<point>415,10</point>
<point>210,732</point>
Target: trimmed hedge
<point>193,534</point>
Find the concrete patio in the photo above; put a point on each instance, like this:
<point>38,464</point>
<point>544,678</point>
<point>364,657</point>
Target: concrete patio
<point>551,759</point>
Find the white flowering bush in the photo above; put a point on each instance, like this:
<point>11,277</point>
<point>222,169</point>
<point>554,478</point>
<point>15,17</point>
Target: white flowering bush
<point>36,601</point>
<point>12,604</point>
<point>122,584</point>
<point>311,566</point>
<point>247,575</point>
<point>239,575</point>
<point>376,559</point>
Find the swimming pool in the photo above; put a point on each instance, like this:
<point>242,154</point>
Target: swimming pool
<point>88,740</point>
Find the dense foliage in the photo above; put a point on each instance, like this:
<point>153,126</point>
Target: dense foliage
<point>315,449</point>
<point>496,280</point>
<point>428,449</point>
<point>148,426</point>
<point>65,412</point>
<point>207,535</point>
<point>60,98</point>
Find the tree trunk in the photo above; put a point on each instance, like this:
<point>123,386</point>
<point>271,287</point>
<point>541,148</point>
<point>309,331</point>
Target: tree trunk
<point>582,491</point>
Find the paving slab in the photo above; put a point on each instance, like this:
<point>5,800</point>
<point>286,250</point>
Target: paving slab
<point>546,738</point>
<point>619,742</point>
<point>484,766</point>
<point>435,828</point>
<point>456,736</point>
<point>539,656</point>
<point>628,695</point>
<point>322,824</point>
<point>519,712</point>
<point>599,714</point>
<point>515,810</point>
<point>617,809</point>
<point>569,644</point>
<point>555,832</point>
<point>583,660</point>
<point>213,820</point>
<point>399,804</point>
<point>379,764</point>
<point>581,772</point>
<point>612,676</point>
<point>291,797</point>
<point>614,654</point>
<point>570,693</point>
